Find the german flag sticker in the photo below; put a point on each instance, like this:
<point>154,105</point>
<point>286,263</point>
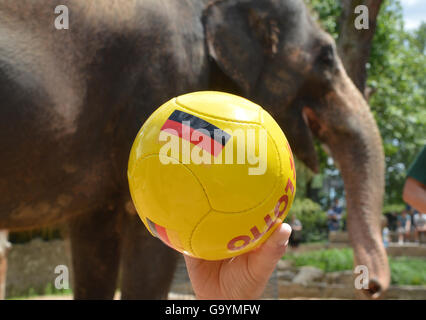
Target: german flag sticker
<point>169,237</point>
<point>198,131</point>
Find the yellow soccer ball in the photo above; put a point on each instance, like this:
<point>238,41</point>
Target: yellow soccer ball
<point>210,173</point>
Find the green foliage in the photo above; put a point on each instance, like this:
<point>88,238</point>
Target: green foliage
<point>303,175</point>
<point>32,292</point>
<point>45,234</point>
<point>312,217</point>
<point>397,77</point>
<point>49,290</point>
<point>408,271</point>
<point>327,13</point>
<point>404,270</point>
<point>419,38</point>
<point>328,260</point>
<point>391,208</point>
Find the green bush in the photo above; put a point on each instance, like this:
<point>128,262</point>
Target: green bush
<point>49,290</point>
<point>313,219</point>
<point>46,234</point>
<point>328,260</point>
<point>408,271</point>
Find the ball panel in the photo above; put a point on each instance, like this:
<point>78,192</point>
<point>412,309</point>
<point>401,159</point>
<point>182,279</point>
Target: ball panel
<point>235,187</point>
<point>168,196</point>
<point>221,105</point>
<point>223,235</point>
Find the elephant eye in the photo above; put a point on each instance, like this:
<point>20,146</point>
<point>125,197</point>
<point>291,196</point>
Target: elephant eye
<point>326,55</point>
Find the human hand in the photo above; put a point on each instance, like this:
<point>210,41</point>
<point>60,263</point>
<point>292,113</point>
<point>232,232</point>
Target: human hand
<point>243,277</point>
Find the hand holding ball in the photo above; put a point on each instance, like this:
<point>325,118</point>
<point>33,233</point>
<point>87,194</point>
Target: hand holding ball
<point>210,173</point>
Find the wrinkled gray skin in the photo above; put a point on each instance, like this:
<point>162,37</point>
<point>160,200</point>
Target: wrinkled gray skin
<point>72,101</point>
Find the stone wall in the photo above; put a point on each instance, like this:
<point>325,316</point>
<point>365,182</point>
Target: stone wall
<point>31,266</point>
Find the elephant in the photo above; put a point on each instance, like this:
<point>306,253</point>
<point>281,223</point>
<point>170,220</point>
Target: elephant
<point>73,99</point>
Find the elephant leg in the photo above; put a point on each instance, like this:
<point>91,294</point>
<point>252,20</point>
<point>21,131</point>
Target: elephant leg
<point>148,265</point>
<point>95,248</point>
<point>4,246</point>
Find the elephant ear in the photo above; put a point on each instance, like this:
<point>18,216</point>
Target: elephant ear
<point>238,39</point>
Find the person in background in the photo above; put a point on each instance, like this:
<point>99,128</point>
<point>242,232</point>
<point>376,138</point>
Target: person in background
<point>333,223</point>
<point>419,226</point>
<point>414,192</point>
<point>296,234</point>
<point>334,215</point>
<point>385,232</point>
<point>337,207</point>
<point>404,227</point>
<point>392,219</point>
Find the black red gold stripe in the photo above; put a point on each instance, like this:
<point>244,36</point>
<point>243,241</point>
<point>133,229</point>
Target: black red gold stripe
<point>212,143</point>
<point>159,231</point>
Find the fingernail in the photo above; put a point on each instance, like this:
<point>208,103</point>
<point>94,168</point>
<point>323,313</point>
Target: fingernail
<point>284,243</point>
<point>287,226</point>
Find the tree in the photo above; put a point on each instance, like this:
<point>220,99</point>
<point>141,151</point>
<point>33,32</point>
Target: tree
<point>354,44</point>
<point>396,74</point>
<point>420,38</point>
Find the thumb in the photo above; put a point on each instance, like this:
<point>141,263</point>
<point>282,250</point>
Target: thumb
<point>264,260</point>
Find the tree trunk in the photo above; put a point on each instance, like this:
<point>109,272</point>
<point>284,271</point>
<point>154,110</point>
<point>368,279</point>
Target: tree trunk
<point>354,45</point>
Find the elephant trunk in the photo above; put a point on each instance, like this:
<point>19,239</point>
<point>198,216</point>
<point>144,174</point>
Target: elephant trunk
<point>349,130</point>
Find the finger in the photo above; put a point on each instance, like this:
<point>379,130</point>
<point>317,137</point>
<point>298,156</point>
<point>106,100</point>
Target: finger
<point>274,247</point>
<point>191,261</point>
<point>263,261</point>
<point>194,264</point>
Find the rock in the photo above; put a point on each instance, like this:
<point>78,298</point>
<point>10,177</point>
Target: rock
<point>340,277</point>
<point>338,237</point>
<point>286,275</point>
<point>308,274</point>
<point>284,264</point>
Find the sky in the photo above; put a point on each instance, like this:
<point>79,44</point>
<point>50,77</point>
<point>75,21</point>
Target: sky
<point>414,13</point>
